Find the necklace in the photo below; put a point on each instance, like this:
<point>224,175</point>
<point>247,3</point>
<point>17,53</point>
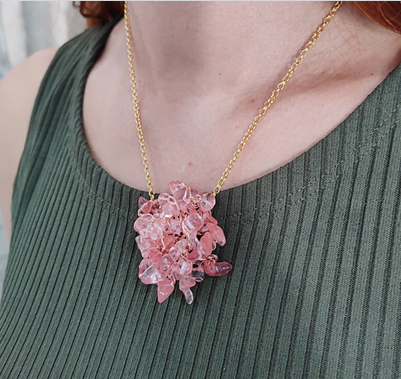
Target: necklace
<point>177,233</point>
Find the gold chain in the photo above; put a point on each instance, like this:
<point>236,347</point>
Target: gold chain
<point>256,120</point>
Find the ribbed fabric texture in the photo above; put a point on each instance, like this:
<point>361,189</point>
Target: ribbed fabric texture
<point>315,289</point>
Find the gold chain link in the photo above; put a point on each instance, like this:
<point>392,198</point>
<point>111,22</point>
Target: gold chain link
<point>256,119</point>
<point>135,101</point>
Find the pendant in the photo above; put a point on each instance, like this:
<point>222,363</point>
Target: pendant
<point>177,235</point>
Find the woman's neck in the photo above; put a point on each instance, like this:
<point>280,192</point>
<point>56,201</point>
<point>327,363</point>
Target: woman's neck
<point>205,69</point>
<point>238,47</point>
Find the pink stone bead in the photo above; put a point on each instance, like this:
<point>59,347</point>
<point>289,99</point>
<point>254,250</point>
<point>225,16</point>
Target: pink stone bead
<point>191,192</point>
<point>178,189</point>
<point>208,218</point>
<point>168,242</point>
<point>145,263</point>
<point>207,202</point>
<point>138,241</point>
<point>183,266</point>
<point>148,243</point>
<point>144,206</point>
<point>196,256</point>
<point>169,205</point>
<point>182,246</point>
<point>155,255</point>
<point>194,222</point>
<point>174,252</point>
<point>217,233</point>
<point>186,283</point>
<point>163,197</point>
<point>166,262</point>
<point>142,224</point>
<point>170,210</point>
<point>164,289</point>
<point>156,209</point>
<point>155,231</point>
<point>141,202</point>
<point>194,243</point>
<point>186,207</point>
<point>213,268</point>
<point>207,243</point>
<point>145,253</point>
<point>176,227</point>
<point>151,275</point>
<point>189,296</point>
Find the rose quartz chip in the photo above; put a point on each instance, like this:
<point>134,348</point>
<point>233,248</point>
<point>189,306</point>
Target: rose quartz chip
<point>207,243</point>
<point>178,189</point>
<point>150,276</point>
<point>186,207</point>
<point>141,202</point>
<point>189,296</point>
<point>177,235</point>
<point>213,268</point>
<point>166,262</point>
<point>175,226</point>
<point>168,241</point>
<point>196,256</point>
<point>208,202</point>
<point>217,233</point>
<point>194,221</point>
<point>184,285</point>
<point>143,266</point>
<point>191,192</point>
<point>208,218</point>
<point>164,289</point>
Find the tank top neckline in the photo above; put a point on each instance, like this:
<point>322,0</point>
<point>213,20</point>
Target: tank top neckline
<point>259,193</point>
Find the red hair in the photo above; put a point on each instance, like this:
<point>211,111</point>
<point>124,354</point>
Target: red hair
<point>384,13</point>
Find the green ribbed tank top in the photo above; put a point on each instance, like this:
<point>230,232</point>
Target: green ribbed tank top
<point>315,289</point>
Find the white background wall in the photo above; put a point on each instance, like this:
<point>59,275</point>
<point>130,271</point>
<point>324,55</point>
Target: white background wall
<point>25,28</point>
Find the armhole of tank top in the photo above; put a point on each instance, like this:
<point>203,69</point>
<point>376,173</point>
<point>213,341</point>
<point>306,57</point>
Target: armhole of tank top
<point>34,131</point>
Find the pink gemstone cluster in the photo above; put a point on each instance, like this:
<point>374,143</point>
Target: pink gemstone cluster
<point>177,235</point>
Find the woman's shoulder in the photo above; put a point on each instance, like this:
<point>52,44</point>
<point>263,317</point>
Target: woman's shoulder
<point>18,90</point>
<point>31,85</point>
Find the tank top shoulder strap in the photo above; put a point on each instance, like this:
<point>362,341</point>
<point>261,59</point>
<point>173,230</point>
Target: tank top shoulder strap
<point>59,87</point>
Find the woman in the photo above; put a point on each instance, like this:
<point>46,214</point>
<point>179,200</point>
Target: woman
<point>310,211</point>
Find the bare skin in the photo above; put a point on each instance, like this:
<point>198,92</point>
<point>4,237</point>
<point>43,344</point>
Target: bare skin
<point>204,69</point>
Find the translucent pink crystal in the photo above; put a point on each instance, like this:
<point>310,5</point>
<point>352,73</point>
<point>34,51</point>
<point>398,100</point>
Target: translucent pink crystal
<point>196,256</point>
<point>167,262</point>
<point>168,242</point>
<point>186,208</point>
<point>150,276</point>
<point>141,202</point>
<point>178,189</point>
<point>207,202</point>
<point>177,235</point>
<point>185,284</point>
<point>164,289</point>
<point>168,205</point>
<point>213,268</point>
<point>207,244</point>
<point>194,222</point>
<point>217,233</point>
<point>189,296</point>
<point>175,226</point>
<point>143,266</point>
<point>144,206</point>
